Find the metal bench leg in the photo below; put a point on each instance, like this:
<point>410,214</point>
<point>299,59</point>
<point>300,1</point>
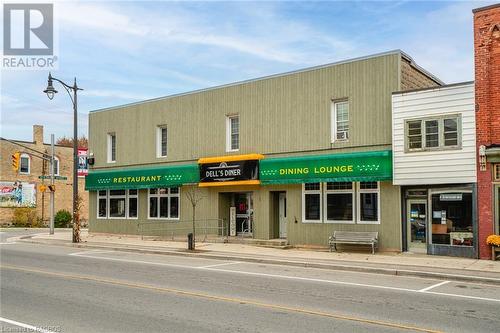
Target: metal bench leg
<point>373,248</point>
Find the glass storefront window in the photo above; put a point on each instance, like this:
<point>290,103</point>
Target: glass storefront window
<point>312,202</point>
<point>164,203</point>
<point>452,218</point>
<point>117,203</point>
<point>339,202</point>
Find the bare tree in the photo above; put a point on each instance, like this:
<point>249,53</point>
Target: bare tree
<point>76,220</point>
<point>194,195</point>
<point>68,142</point>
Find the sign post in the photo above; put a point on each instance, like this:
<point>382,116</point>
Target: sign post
<point>52,193</point>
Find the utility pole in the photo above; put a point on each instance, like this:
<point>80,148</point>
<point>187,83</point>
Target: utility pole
<point>52,193</point>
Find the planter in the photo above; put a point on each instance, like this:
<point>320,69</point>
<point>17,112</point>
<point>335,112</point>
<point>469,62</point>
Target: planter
<point>495,252</point>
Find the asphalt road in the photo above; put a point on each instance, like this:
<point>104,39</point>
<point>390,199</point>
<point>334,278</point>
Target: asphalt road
<point>63,289</point>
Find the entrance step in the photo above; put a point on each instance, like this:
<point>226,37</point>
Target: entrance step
<point>274,243</point>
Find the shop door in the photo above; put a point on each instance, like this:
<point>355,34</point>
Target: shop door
<point>244,213</point>
<point>417,225</point>
<point>282,214</point>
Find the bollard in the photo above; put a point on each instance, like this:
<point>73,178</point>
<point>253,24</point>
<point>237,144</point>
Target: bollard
<point>190,241</point>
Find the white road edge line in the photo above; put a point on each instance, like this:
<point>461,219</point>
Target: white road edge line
<point>7,243</point>
<point>223,264</point>
<point>30,327</point>
<point>294,278</point>
<point>80,254</point>
<point>434,286</point>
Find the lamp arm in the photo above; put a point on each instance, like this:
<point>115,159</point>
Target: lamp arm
<point>67,88</point>
<point>61,82</point>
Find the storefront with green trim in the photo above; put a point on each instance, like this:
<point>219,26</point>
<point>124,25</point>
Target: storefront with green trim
<point>299,198</point>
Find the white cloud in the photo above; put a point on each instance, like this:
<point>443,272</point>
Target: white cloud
<point>270,36</point>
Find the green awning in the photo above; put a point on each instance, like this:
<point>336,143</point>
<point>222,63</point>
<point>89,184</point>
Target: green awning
<point>164,176</point>
<point>362,166</point>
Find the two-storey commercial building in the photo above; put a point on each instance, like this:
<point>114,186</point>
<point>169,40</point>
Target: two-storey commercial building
<point>434,154</point>
<point>294,156</point>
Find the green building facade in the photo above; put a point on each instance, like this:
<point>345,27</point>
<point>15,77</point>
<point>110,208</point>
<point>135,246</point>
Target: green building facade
<point>293,156</point>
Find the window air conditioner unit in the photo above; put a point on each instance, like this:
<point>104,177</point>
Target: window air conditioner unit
<point>342,136</point>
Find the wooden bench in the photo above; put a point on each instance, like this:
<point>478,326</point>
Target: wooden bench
<point>353,237</point>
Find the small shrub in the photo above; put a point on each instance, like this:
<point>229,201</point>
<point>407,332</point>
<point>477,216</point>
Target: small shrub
<point>24,217</point>
<point>62,219</point>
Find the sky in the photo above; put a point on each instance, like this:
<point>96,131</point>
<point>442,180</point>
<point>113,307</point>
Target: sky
<point>127,51</point>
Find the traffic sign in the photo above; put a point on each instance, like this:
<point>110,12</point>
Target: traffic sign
<point>55,177</point>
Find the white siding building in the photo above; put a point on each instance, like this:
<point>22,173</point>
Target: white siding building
<point>426,154</point>
<point>434,162</point>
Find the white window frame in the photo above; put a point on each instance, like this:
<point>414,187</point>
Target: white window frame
<point>334,120</point>
<point>358,203</point>
<point>304,192</point>
<point>159,133</point>
<point>339,191</point>
<point>127,204</point>
<point>27,156</point>
<point>110,148</point>
<point>165,195</point>
<point>229,131</point>
<point>441,133</point>
<point>107,197</point>
<point>58,163</point>
<point>496,172</point>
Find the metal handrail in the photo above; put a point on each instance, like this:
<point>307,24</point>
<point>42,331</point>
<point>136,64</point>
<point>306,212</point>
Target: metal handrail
<point>163,228</point>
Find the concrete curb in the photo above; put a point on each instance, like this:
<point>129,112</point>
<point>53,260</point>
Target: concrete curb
<point>296,263</point>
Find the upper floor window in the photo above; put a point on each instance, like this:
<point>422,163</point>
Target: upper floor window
<point>442,132</point>
<point>161,141</point>
<point>233,133</point>
<point>25,164</point>
<point>111,147</point>
<point>340,121</point>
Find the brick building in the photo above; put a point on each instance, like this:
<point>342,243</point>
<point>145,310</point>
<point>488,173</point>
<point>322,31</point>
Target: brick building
<point>487,97</point>
<point>30,169</point>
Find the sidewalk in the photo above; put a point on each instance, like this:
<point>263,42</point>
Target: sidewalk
<point>448,268</point>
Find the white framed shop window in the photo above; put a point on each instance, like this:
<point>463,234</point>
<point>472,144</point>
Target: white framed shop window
<point>132,204</point>
<point>368,203</point>
<point>339,202</point>
<point>164,203</point>
<point>117,204</point>
<point>312,207</point>
<point>102,204</point>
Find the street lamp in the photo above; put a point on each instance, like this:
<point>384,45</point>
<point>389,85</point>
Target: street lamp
<point>51,91</point>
